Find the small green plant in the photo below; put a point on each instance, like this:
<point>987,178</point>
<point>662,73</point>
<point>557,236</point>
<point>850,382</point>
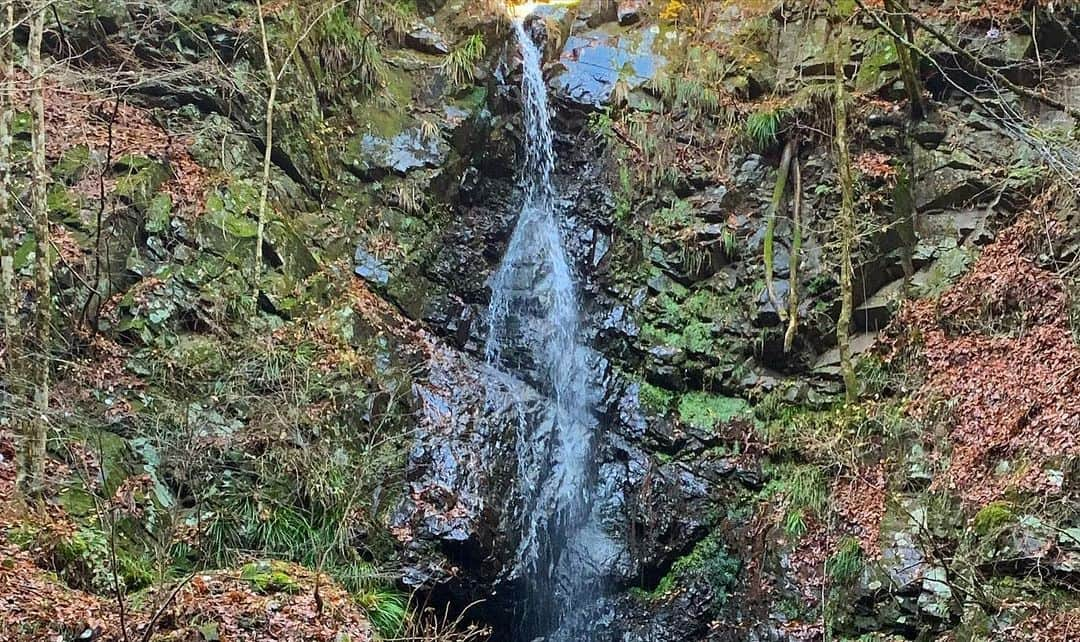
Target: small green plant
<point>795,523</point>
<point>874,373</point>
<point>624,195</point>
<point>654,398</point>
<point>398,15</point>
<point>371,69</point>
<point>763,126</point>
<point>84,560</point>
<point>710,561</point>
<point>846,564</point>
<point>601,124</point>
<point>1023,175</point>
<point>801,487</point>
<point>705,411</point>
<point>730,244</point>
<point>460,64</point>
<point>771,407</point>
<point>387,609</point>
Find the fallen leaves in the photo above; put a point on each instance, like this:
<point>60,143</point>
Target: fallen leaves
<point>75,117</point>
<point>875,165</point>
<point>998,344</point>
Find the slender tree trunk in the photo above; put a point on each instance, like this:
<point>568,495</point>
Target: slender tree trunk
<point>897,16</point>
<point>30,477</point>
<point>796,249</point>
<point>10,337</point>
<point>770,225</point>
<point>846,219</point>
<point>8,299</point>
<point>264,193</point>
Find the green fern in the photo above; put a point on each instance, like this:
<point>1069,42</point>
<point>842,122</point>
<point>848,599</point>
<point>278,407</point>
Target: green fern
<point>398,16</point>
<point>370,67</point>
<point>460,64</point>
<point>802,486</point>
<point>730,244</point>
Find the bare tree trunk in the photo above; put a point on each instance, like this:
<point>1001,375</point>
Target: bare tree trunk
<point>8,299</point>
<point>30,477</point>
<point>770,225</point>
<point>846,219</point>
<point>264,193</point>
<point>897,16</point>
<point>796,248</point>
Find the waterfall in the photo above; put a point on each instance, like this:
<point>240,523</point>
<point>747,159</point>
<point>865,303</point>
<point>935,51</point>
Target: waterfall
<point>534,327</point>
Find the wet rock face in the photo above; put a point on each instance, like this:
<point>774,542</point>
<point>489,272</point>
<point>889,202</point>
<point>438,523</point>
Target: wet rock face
<point>461,513</point>
<point>373,155</point>
<point>593,61</point>
<point>458,508</point>
<point>680,305</point>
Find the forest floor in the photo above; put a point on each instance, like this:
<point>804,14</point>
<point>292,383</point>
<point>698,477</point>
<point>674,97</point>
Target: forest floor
<point>261,600</point>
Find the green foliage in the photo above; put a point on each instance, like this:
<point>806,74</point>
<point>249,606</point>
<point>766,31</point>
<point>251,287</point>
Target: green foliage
<point>338,36</point>
<point>730,244</point>
<point>674,218</point>
<point>795,523</point>
<point>624,195</point>
<point>460,64</point>
<point>838,435</point>
<point>601,124</point>
<point>803,490</point>
<point>655,398</point>
<point>398,15</point>
<point>874,373</point>
<point>371,69</point>
<point>705,411</point>
<point>696,85</point>
<point>1022,175</point>
<point>763,126</point>
<point>711,562</point>
<point>771,407</point>
<point>387,608</point>
<point>846,564</point>
<point>82,558</point>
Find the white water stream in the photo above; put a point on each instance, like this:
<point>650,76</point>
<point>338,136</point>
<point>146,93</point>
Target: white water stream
<point>534,308</point>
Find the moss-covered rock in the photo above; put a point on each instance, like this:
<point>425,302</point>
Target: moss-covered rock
<point>269,576</point>
<point>705,411</point>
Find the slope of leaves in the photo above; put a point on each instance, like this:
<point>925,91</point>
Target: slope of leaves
<point>75,116</point>
<point>998,344</point>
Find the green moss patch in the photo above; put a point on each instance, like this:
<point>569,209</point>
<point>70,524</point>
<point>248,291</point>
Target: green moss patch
<point>269,577</point>
<point>705,411</point>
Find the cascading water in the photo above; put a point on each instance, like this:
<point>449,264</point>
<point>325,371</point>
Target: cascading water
<point>533,327</point>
